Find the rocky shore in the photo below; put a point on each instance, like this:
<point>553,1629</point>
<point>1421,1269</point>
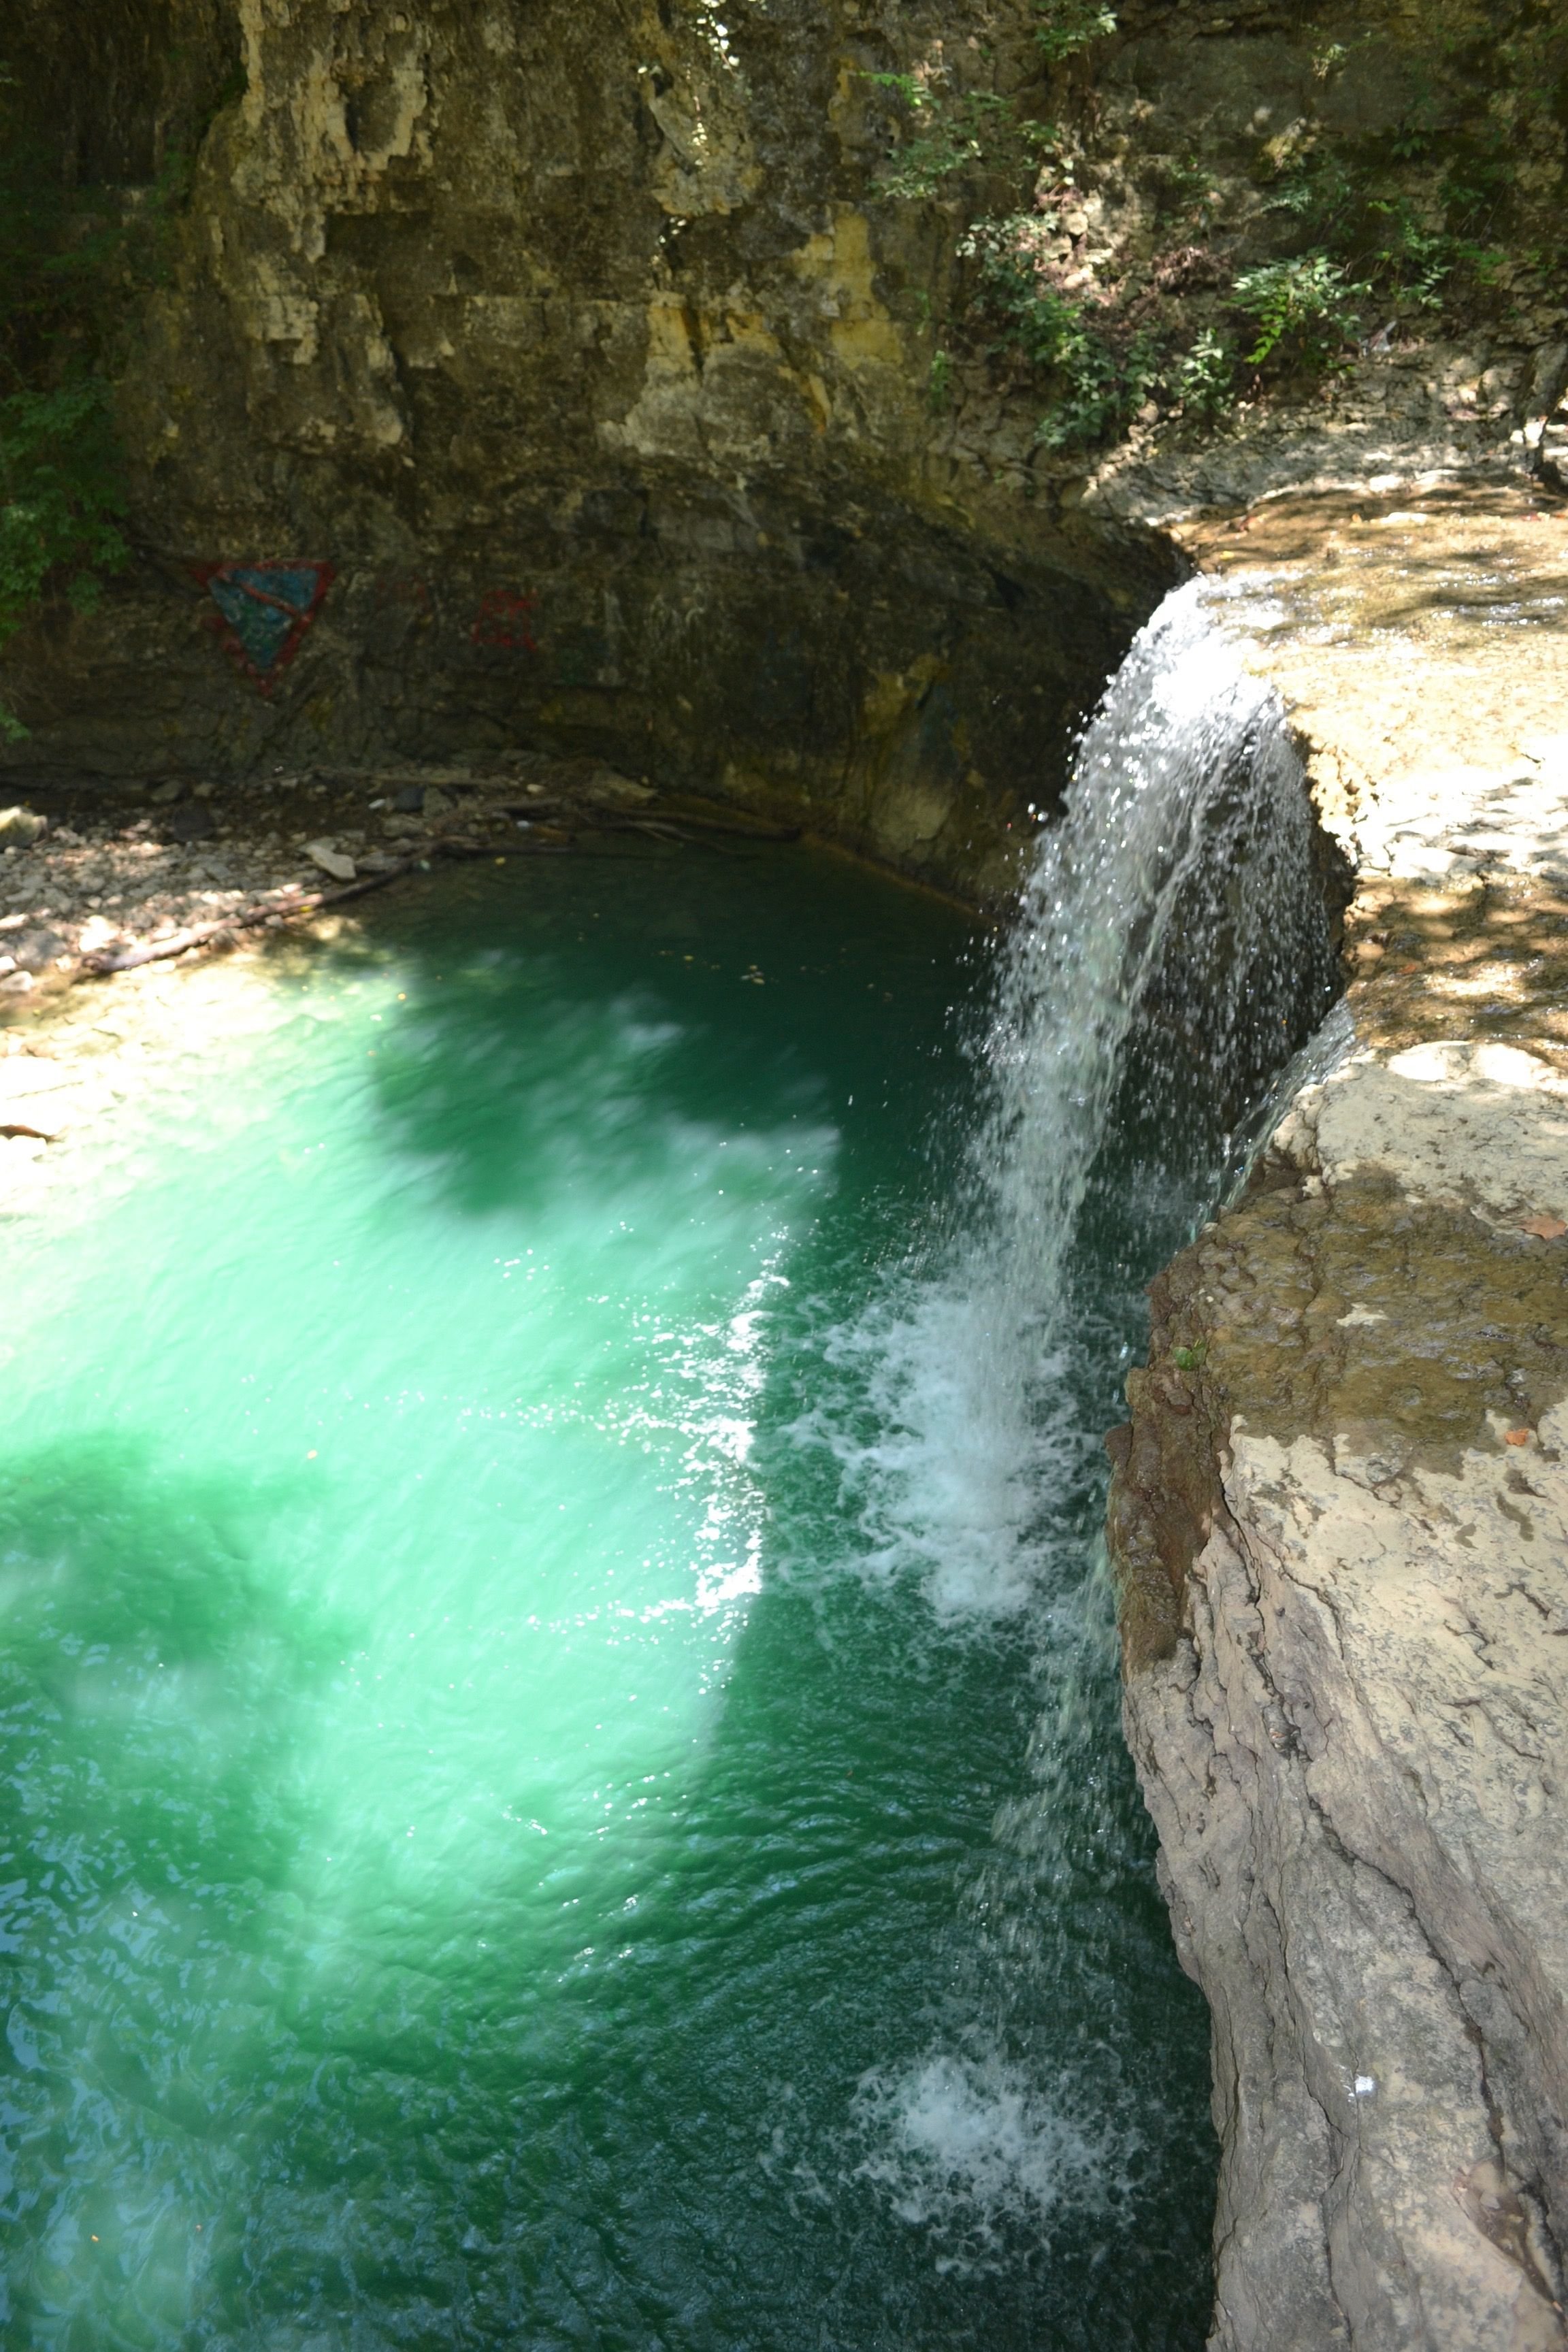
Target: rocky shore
<point>112,902</point>
<point>110,878</point>
<point>1340,1512</point>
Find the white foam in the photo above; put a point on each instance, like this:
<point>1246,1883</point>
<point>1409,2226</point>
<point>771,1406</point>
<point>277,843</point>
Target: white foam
<point>956,1437</point>
<point>964,2146</point>
<point>947,1483</point>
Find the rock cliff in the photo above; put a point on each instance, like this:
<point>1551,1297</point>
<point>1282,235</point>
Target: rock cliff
<point>781,401</point>
<point>1340,1509</point>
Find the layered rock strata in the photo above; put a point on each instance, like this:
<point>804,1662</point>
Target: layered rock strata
<point>1340,1512</point>
<point>644,383</point>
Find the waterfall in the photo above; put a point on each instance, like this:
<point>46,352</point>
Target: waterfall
<point>1176,890</point>
<point>1170,952</point>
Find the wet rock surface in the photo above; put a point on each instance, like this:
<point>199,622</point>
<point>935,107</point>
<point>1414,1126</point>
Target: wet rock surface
<point>1340,1512</point>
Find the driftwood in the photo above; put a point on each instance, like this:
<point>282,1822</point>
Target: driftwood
<point>749,829</point>
<point>662,823</point>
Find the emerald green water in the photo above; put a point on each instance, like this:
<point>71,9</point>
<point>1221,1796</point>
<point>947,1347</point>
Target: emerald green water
<point>540,1807</point>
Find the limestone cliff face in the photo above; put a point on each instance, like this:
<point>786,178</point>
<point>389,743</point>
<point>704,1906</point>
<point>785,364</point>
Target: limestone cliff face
<point>639,413</point>
<point>569,337</point>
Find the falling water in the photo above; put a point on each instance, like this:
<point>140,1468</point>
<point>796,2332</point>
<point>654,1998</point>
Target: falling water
<point>1178,889</point>
<point>1172,949</point>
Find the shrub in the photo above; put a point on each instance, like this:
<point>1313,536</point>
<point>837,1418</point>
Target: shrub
<point>1066,26</point>
<point>1104,369</point>
<point>949,132</point>
<point>1304,310</point>
<point>60,497</point>
<point>69,267</point>
<point>1204,377</point>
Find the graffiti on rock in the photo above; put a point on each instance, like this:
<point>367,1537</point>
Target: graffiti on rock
<point>264,612</point>
<point>504,621</point>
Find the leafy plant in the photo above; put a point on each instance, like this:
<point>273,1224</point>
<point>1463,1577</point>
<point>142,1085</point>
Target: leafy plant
<point>1103,372</point>
<point>1204,377</point>
<point>1421,127</point>
<point>1104,384</point>
<point>1066,26</point>
<point>1412,260</point>
<point>1187,189</point>
<point>1315,186</point>
<point>70,266</point>
<point>954,131</point>
<point>1303,310</point>
<point>61,498</point>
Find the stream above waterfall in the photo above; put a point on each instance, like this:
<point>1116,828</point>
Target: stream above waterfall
<point>562,1777</point>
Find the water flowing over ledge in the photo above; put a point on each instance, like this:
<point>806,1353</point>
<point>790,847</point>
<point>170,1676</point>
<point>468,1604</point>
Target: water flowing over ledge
<point>1339,1517</point>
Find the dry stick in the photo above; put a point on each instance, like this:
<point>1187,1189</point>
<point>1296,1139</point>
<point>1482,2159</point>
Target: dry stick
<point>621,820</point>
<point>755,829</point>
<point>199,935</point>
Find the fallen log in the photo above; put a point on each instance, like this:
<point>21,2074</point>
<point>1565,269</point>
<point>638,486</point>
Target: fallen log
<point>736,824</point>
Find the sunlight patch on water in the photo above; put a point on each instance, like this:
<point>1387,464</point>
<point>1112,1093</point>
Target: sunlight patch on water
<point>453,1782</point>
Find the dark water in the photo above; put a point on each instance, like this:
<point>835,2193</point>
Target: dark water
<point>554,1793</point>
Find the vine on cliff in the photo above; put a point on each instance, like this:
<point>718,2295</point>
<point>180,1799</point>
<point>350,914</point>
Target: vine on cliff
<point>72,266</point>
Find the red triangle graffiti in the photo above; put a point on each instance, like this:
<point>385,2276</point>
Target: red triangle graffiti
<point>264,612</point>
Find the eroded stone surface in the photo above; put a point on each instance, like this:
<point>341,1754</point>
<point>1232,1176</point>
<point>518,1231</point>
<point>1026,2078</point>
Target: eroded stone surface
<point>1340,1512</point>
<point>1341,1518</point>
<point>641,415</point>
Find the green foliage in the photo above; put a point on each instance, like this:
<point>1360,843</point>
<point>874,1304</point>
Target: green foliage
<point>1315,186</point>
<point>72,267</point>
<point>61,498</point>
<point>945,132</point>
<point>1415,237</point>
<point>1186,191</point>
<point>1416,221</point>
<point>1102,373</point>
<point>1420,130</point>
<point>1204,377</point>
<point>1304,310</point>
<point>1413,261</point>
<point>1104,384</point>
<point>1066,26</point>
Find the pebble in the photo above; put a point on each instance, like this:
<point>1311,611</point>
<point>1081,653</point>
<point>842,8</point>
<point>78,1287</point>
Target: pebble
<point>331,860</point>
<point>34,950</point>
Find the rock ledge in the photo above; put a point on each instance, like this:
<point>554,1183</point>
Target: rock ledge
<point>1340,1518</point>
